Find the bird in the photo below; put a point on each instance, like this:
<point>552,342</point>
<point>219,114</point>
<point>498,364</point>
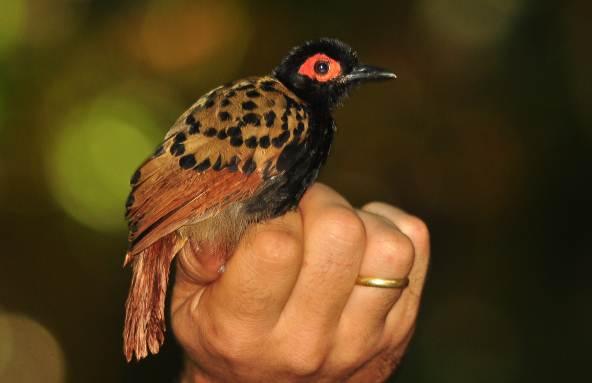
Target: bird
<point>243,153</point>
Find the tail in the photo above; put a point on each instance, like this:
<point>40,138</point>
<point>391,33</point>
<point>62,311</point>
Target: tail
<point>144,313</point>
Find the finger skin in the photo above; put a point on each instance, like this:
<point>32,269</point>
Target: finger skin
<point>259,338</point>
<point>246,301</point>
<point>260,276</point>
<point>388,254</point>
<point>334,241</point>
<point>402,317</point>
<point>400,322</point>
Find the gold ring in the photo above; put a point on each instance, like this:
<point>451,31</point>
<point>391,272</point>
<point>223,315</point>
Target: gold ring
<point>398,283</point>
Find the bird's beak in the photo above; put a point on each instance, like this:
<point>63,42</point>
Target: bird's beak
<point>363,73</point>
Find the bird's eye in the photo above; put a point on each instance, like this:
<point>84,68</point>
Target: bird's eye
<point>321,67</point>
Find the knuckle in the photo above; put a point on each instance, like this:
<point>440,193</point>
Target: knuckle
<point>341,225</point>
<point>353,351</point>
<point>347,361</point>
<point>416,229</point>
<point>222,336</point>
<point>273,246</point>
<point>395,248</point>
<point>300,353</point>
<point>227,344</point>
<point>304,366</point>
<point>372,205</point>
<point>305,361</point>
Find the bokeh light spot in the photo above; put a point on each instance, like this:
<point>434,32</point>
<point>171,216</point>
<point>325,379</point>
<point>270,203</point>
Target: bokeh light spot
<point>98,148</point>
<point>191,35</point>
<point>29,353</point>
<point>469,22</point>
<point>12,20</point>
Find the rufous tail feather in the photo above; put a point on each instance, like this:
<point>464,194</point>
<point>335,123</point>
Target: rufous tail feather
<point>144,314</point>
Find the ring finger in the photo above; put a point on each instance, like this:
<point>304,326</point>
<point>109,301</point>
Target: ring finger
<point>389,255</point>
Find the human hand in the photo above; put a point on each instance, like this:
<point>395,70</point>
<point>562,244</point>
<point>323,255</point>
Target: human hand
<point>287,307</point>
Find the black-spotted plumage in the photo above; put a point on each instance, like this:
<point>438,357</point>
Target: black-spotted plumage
<point>244,152</point>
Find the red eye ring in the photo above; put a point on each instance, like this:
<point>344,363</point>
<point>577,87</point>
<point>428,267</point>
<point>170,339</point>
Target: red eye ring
<point>313,68</point>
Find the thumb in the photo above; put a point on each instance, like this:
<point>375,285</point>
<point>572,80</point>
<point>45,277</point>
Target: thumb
<point>199,262</point>
<point>197,266</point>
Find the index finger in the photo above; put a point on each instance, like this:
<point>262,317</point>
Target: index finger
<point>261,274</point>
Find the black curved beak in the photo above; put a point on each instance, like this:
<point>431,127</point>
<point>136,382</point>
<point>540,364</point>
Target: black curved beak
<point>363,73</point>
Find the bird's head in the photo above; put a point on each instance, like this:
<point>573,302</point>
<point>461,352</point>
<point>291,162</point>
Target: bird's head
<point>322,72</point>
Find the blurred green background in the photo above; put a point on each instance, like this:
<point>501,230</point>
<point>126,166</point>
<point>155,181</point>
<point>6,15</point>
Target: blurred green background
<point>486,135</point>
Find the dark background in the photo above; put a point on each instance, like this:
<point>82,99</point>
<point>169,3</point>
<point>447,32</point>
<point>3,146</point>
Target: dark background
<point>486,135</point>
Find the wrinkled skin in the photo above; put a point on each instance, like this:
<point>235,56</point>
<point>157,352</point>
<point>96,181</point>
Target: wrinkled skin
<point>287,308</point>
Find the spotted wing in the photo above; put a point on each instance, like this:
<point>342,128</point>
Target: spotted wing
<point>221,150</point>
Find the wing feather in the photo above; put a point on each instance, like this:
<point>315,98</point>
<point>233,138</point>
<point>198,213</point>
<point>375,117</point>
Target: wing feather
<point>220,151</point>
